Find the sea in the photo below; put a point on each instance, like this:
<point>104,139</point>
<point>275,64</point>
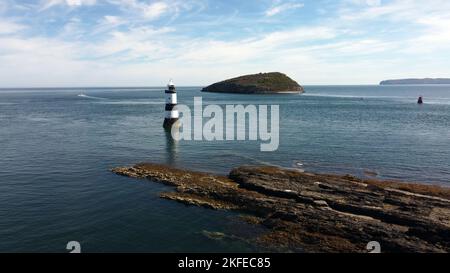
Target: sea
<point>57,147</point>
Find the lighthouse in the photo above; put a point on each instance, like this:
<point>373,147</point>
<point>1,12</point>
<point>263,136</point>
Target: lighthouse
<point>172,114</point>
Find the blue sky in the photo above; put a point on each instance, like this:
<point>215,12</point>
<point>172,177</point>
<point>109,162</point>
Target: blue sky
<point>197,42</point>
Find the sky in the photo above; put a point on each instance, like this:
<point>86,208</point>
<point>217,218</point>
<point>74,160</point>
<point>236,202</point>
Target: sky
<point>74,43</point>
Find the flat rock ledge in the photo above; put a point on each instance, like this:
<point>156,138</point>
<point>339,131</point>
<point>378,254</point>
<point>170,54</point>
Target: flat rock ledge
<point>305,212</point>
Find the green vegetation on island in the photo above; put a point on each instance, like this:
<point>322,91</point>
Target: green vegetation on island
<point>262,83</point>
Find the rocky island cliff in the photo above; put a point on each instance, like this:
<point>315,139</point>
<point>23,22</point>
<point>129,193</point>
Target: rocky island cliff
<point>262,83</point>
<point>416,81</point>
<point>306,212</point>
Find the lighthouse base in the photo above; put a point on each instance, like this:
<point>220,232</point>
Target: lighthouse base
<point>169,122</point>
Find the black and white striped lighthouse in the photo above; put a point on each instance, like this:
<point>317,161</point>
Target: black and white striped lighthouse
<point>172,114</point>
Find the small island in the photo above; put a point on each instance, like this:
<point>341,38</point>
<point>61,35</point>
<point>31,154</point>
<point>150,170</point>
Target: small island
<point>262,83</point>
<point>416,81</point>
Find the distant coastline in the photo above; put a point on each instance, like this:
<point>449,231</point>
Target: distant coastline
<point>416,81</point>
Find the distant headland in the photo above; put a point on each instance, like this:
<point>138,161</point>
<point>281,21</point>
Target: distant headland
<point>416,81</point>
<point>262,83</point>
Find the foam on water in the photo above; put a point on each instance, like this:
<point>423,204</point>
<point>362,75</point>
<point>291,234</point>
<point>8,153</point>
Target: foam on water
<point>90,97</point>
<point>131,102</point>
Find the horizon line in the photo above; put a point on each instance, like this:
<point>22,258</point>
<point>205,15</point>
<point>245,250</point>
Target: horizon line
<point>159,86</point>
<point>191,86</point>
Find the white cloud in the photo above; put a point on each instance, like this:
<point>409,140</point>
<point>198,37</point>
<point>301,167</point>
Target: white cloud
<point>71,3</point>
<point>35,57</point>
<point>112,20</point>
<point>80,2</point>
<point>108,23</point>
<point>364,2</point>
<point>373,2</point>
<point>396,10</point>
<point>149,11</point>
<point>9,27</point>
<point>283,7</point>
<point>155,10</point>
<point>435,36</point>
<point>268,47</point>
<point>427,25</point>
<point>137,44</point>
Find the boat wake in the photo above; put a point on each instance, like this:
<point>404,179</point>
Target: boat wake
<point>90,97</point>
<point>101,100</point>
<point>133,102</point>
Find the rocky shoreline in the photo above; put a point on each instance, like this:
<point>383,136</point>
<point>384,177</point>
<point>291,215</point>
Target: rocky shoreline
<point>306,212</point>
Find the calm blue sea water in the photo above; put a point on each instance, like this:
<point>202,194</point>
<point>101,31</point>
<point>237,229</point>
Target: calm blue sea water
<point>57,148</point>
